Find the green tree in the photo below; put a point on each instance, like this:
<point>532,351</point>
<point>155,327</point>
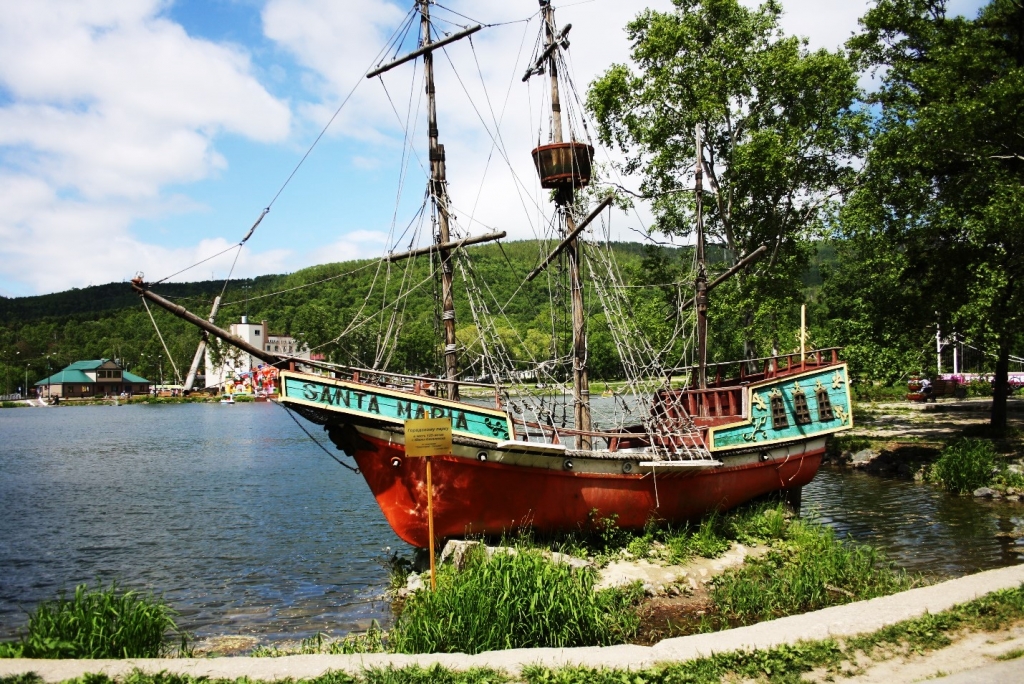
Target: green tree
<point>944,181</point>
<point>780,129</point>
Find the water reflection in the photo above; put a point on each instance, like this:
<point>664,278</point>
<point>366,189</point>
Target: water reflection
<point>919,526</point>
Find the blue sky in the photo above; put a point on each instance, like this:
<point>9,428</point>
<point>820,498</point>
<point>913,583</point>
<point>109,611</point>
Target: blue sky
<point>144,135</point>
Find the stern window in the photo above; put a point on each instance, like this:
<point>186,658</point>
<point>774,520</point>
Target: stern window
<point>779,420</point>
<point>824,406</point>
<point>801,412</point>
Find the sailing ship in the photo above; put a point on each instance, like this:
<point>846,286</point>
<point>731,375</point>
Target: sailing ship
<point>733,432</point>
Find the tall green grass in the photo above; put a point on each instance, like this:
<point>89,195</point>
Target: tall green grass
<point>812,569</point>
<point>100,623</point>
<point>514,600</point>
<point>965,465</point>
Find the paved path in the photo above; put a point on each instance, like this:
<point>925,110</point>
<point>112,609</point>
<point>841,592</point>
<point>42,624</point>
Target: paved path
<point>1011,671</point>
<point>853,618</point>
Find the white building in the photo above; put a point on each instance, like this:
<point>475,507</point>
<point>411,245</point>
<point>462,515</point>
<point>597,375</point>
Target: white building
<point>235,363</point>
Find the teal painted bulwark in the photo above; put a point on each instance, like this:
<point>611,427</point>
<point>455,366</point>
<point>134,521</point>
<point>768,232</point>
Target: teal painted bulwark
<point>816,386</point>
<point>394,407</point>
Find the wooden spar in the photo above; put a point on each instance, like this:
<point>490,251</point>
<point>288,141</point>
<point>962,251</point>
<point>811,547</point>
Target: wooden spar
<point>427,47</point>
<point>702,275</point>
<point>190,380</point>
<point>220,333</point>
<point>438,188</point>
<point>749,259</point>
<point>535,68</point>
<point>570,237</point>
<point>465,242</point>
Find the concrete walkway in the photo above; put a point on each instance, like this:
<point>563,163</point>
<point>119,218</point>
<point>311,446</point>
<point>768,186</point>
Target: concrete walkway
<point>839,621</point>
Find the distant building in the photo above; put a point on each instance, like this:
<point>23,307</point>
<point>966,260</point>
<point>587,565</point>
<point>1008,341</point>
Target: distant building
<point>235,363</point>
<point>90,378</point>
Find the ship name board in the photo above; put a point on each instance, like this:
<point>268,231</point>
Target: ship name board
<point>393,407</point>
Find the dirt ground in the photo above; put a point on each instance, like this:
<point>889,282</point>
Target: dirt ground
<point>939,421</point>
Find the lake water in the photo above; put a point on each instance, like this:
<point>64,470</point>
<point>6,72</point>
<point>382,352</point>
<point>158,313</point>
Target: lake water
<point>247,527</point>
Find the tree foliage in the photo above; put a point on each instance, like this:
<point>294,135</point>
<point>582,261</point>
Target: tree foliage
<point>780,127</point>
<point>944,182</point>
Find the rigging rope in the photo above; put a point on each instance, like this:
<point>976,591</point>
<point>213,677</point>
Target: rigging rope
<point>309,151</point>
<point>315,441</point>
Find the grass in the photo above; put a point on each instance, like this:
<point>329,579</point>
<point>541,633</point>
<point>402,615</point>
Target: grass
<point>517,599</point>
<point>371,641</point>
<point>810,570</point>
<point>965,465</point>
<point>98,623</point>
<point>785,663</point>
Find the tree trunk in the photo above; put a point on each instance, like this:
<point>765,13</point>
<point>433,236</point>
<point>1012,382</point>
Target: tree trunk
<point>1001,387</point>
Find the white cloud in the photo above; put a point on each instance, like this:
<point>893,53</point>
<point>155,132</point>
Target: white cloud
<point>110,104</point>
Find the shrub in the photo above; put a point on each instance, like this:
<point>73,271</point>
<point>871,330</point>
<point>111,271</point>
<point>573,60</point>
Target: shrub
<point>516,599</point>
<point>965,465</point>
<point>979,388</point>
<point>99,624</point>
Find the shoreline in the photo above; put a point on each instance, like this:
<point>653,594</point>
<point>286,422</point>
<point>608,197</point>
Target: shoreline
<point>838,622</point>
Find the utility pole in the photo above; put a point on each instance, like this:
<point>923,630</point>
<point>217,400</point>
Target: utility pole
<point>439,194</point>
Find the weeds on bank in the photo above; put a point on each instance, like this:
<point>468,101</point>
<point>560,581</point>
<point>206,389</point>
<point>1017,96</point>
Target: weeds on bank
<point>965,465</point>
<point>99,623</point>
<point>372,640</point>
<point>516,599</point>
<point>810,570</point>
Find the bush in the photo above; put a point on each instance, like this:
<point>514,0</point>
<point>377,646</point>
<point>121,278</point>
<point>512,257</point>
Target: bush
<point>965,465</point>
<point>514,600</point>
<point>979,388</point>
<point>97,624</point>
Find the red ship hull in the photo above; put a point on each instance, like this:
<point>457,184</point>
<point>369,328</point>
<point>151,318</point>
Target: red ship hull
<point>486,498</point>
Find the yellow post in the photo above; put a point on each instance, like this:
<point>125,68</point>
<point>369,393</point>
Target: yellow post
<point>430,527</point>
<point>429,437</point>
<point>803,332</point>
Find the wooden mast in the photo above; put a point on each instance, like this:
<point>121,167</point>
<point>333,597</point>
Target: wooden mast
<point>438,188</point>
<point>702,273</point>
<point>565,199</point>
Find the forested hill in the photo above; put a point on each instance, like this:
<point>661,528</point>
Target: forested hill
<point>318,303</point>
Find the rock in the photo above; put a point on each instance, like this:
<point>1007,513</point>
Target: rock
<point>1013,497</point>
<point>864,456</point>
<point>674,591</point>
<point>985,493</point>
<point>458,551</point>
<point>413,583</point>
<point>1015,469</point>
<point>1010,491</point>
<point>571,561</point>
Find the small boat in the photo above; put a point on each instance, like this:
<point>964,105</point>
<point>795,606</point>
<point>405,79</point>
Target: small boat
<point>229,400</point>
<point>545,460</point>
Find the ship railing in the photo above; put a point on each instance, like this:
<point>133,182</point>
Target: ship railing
<point>767,367</point>
<point>679,442</point>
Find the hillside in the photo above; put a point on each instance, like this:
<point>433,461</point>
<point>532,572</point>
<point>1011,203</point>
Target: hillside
<point>317,303</point>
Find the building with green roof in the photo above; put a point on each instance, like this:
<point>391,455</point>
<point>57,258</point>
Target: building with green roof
<point>90,378</point>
